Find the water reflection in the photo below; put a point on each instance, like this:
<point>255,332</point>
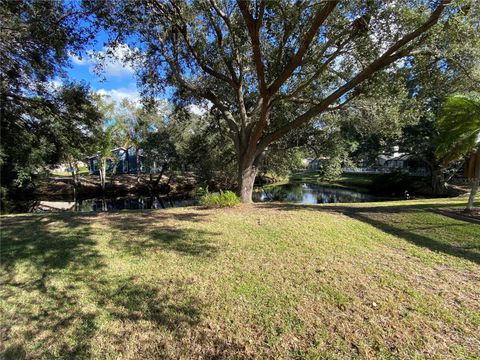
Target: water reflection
<point>310,194</point>
<point>293,193</point>
<point>110,204</point>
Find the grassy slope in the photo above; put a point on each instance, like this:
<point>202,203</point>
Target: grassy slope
<point>368,280</point>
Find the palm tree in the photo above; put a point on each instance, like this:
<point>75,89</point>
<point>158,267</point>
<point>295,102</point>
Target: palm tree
<point>459,136</point>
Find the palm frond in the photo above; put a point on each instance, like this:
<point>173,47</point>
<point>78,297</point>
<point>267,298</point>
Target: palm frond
<point>458,127</point>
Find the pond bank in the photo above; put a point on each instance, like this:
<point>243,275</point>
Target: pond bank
<point>61,186</point>
<point>125,192</point>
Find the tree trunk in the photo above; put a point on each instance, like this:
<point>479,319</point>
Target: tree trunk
<point>247,171</point>
<point>74,172</point>
<point>103,174</point>
<point>438,182</point>
<point>473,192</point>
<point>75,183</point>
<point>137,159</point>
<point>246,180</point>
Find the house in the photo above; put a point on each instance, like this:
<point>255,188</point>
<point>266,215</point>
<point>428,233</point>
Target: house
<point>395,161</point>
<point>401,161</point>
<point>398,161</point>
<point>124,161</point>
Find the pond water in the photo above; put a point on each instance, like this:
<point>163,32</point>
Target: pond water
<point>133,202</point>
<point>303,193</point>
<point>298,193</point>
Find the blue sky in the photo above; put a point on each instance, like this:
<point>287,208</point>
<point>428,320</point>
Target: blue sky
<point>116,79</point>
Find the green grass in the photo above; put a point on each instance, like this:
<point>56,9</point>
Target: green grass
<point>391,280</point>
<point>360,182</point>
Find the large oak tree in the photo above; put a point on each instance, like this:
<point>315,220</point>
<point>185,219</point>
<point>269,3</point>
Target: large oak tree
<point>266,68</point>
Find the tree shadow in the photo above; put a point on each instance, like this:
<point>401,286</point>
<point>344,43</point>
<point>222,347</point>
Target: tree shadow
<point>37,251</point>
<point>437,235</point>
<point>151,232</point>
<point>55,286</point>
<point>48,242</point>
<point>167,305</point>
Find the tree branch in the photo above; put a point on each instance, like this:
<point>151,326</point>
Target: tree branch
<point>318,20</point>
<point>253,27</point>
<point>390,56</point>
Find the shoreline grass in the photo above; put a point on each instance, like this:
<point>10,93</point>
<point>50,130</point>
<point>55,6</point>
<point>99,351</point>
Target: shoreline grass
<point>385,279</point>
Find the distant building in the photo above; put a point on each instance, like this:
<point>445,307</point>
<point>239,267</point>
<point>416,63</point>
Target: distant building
<point>124,160</point>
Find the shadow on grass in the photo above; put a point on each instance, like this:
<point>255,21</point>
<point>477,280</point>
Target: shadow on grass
<point>55,286</point>
<point>168,304</point>
<point>48,243</point>
<point>35,250</point>
<point>424,226</point>
<point>154,232</point>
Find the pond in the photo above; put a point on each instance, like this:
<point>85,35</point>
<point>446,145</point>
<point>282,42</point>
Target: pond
<point>298,193</point>
<point>133,202</point>
<point>304,193</point>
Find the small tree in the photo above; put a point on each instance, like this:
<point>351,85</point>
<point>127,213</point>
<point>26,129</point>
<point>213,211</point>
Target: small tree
<point>75,126</point>
<point>159,152</point>
<point>104,146</point>
<point>132,125</point>
<point>459,135</point>
<point>36,39</point>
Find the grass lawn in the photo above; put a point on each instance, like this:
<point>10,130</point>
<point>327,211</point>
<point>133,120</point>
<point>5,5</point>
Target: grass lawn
<point>379,280</point>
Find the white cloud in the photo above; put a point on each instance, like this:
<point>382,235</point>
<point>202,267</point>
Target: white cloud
<point>200,110</point>
<point>112,62</point>
<point>119,94</point>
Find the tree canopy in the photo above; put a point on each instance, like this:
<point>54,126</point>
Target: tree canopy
<point>40,119</point>
<point>266,68</point>
<point>459,126</point>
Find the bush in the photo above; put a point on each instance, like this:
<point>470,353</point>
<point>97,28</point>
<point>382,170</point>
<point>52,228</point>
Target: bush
<point>222,199</point>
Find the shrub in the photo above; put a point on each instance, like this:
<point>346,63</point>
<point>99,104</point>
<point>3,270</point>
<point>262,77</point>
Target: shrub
<point>222,199</point>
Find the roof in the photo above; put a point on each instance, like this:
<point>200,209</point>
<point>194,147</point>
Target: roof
<point>394,157</point>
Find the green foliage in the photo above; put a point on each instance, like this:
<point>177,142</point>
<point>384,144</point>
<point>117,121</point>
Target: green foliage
<point>60,132</point>
<point>159,150</point>
<point>393,184</point>
<point>209,153</point>
<point>458,126</point>
<point>221,199</point>
<point>41,123</point>
<point>282,162</point>
<point>267,68</point>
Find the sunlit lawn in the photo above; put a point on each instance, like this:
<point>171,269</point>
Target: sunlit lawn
<point>391,280</point>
